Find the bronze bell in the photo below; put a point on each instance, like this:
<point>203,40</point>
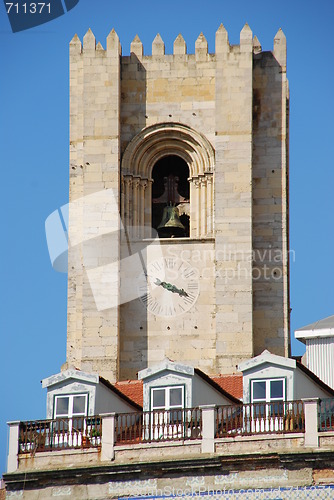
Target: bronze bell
<point>170,225</point>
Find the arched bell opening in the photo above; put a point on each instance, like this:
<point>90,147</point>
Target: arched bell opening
<point>157,152</point>
<point>171,197</point>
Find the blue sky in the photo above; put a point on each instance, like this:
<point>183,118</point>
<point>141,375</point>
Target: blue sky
<point>34,151</point>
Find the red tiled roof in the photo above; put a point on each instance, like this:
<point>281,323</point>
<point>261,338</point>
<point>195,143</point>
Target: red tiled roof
<point>230,383</point>
<point>133,389</point>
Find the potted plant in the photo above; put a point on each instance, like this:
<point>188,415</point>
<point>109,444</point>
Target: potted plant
<point>85,442</point>
<point>26,443</point>
<point>95,436</point>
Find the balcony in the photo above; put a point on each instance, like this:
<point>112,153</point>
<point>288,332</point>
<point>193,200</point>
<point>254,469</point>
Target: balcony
<point>60,434</point>
<point>260,418</point>
<point>176,434</point>
<point>158,426</point>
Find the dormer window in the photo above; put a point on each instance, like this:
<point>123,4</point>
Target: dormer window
<point>268,391</point>
<point>69,413</point>
<point>168,418</point>
<point>72,405</point>
<point>167,398</point>
<point>268,398</point>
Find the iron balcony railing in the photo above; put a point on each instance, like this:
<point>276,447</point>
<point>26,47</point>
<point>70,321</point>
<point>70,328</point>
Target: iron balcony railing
<point>171,425</point>
<point>60,433</point>
<point>326,415</point>
<point>260,418</point>
<point>158,426</point>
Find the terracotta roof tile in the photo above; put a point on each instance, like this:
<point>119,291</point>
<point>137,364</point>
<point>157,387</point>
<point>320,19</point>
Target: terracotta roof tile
<point>230,383</point>
<point>133,389</point>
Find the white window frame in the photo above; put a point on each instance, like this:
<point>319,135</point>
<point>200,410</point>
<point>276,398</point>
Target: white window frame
<point>70,413</point>
<point>162,419</point>
<point>73,431</point>
<point>269,420</point>
<point>167,405</point>
<point>268,398</point>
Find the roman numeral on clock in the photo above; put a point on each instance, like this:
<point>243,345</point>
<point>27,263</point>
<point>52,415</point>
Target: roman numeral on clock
<point>170,311</point>
<point>147,299</point>
<point>169,263</point>
<point>156,265</point>
<point>188,272</point>
<point>189,299</point>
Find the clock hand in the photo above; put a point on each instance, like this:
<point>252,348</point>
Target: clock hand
<point>171,288</point>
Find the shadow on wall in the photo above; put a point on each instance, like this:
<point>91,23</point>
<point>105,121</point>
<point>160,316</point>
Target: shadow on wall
<point>270,183</point>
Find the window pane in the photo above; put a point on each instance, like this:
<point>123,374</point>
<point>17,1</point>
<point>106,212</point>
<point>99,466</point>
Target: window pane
<point>175,397</point>
<point>259,410</point>
<point>276,389</point>
<point>77,424</point>
<point>60,426</point>
<point>259,390</point>
<point>176,416</point>
<point>62,406</point>
<point>158,398</point>
<point>79,404</point>
<point>277,409</point>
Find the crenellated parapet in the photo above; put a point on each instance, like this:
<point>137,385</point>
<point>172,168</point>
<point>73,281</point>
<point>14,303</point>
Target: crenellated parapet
<point>137,47</point>
<point>280,48</point>
<point>180,48</point>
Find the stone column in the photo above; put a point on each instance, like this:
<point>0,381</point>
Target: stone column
<point>127,198</point>
<point>142,188</point>
<point>192,224</point>
<point>196,212</point>
<point>209,203</point>
<point>122,198</point>
<point>147,208</point>
<point>13,446</point>
<point>108,436</point>
<point>136,206</point>
<point>204,207</point>
<point>311,422</point>
<point>208,428</point>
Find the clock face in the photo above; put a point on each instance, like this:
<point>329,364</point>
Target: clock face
<point>169,287</point>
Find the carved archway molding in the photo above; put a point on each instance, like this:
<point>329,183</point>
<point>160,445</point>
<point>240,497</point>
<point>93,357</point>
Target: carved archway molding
<point>164,139</point>
<point>139,158</point>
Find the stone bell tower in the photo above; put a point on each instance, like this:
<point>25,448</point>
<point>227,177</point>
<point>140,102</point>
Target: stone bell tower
<point>206,134</point>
